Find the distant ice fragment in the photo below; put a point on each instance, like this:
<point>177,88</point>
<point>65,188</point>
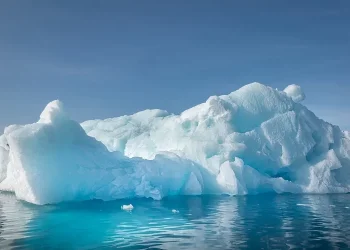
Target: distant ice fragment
<point>127,207</point>
<point>295,92</point>
<point>175,211</point>
<point>303,205</point>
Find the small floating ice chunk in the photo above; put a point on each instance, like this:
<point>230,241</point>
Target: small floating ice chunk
<point>347,207</point>
<point>127,207</point>
<point>175,211</point>
<point>303,205</point>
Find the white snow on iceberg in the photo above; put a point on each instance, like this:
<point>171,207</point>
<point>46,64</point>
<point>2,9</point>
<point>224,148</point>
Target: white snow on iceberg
<point>253,140</point>
<point>295,92</point>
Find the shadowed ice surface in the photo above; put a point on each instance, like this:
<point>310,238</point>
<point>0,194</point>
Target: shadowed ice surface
<point>206,222</point>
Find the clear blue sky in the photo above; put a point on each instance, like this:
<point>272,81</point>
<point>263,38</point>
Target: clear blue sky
<point>109,58</point>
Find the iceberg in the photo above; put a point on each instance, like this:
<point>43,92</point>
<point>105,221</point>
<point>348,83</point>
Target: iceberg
<point>254,140</point>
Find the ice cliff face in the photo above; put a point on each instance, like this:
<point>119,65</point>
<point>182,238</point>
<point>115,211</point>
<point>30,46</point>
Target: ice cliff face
<point>253,140</point>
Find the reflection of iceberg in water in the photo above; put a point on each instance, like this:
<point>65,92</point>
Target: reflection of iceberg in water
<point>14,217</point>
<point>322,218</point>
<point>214,222</point>
<point>227,224</point>
<point>328,212</point>
<point>203,222</point>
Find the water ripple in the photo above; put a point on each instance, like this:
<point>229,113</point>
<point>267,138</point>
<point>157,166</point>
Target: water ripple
<point>208,222</point>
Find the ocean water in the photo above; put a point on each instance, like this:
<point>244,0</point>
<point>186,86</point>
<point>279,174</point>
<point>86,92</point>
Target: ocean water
<point>199,222</point>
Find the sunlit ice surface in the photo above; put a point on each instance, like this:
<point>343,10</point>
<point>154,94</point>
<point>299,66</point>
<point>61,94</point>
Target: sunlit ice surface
<point>254,140</point>
<point>265,221</point>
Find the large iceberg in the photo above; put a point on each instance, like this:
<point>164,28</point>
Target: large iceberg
<point>254,140</point>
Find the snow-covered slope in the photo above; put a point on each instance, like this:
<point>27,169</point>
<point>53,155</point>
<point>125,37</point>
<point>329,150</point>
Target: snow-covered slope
<point>256,139</point>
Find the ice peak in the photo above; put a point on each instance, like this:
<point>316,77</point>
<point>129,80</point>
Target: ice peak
<point>295,92</point>
<point>53,112</point>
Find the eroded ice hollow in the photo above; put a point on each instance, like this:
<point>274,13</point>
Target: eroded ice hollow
<point>254,140</point>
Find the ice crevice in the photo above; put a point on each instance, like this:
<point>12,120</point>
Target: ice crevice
<point>254,140</point>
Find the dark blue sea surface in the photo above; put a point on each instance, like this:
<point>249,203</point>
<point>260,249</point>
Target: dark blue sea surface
<point>192,222</point>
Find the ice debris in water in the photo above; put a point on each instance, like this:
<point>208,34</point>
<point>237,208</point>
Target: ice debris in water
<point>175,211</point>
<point>127,207</point>
<point>253,140</point>
<point>303,205</point>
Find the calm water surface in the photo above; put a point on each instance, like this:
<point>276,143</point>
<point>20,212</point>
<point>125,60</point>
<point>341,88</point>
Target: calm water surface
<point>208,222</point>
